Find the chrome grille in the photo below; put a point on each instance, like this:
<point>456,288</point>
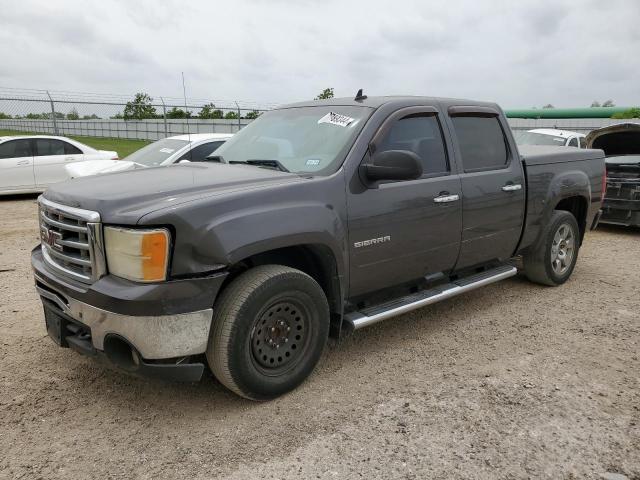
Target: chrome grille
<point>71,240</point>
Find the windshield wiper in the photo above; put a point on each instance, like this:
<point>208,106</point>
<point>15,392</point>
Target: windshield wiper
<point>274,164</point>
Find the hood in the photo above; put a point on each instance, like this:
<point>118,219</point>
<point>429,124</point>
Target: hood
<point>125,197</point>
<point>96,167</point>
<point>616,140</point>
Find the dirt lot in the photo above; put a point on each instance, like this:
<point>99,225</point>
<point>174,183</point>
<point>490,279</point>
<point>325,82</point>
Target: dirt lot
<point>511,381</point>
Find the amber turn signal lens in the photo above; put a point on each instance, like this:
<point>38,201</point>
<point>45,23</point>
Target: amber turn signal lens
<point>138,255</point>
<point>154,251</point>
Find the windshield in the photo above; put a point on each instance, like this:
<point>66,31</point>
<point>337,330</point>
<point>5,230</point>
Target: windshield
<point>532,138</point>
<point>312,140</point>
<point>157,152</point>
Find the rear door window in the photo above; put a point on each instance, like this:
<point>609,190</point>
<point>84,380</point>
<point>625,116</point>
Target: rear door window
<point>420,134</point>
<point>482,143</point>
<point>49,146</point>
<point>71,149</point>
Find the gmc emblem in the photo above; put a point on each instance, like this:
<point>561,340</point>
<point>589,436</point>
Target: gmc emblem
<point>50,237</point>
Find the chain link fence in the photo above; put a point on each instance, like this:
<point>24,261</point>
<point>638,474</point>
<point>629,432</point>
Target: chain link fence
<point>116,116</point>
<point>153,118</point>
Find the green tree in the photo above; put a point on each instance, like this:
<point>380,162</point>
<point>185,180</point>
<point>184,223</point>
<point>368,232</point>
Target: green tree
<point>139,108</point>
<point>37,116</point>
<point>548,105</point>
<point>178,113</point>
<point>4,116</point>
<point>231,115</point>
<point>73,115</point>
<point>326,93</point>
<point>631,113</point>
<point>209,111</point>
<point>595,104</point>
<point>252,115</point>
<point>93,116</point>
<point>608,103</point>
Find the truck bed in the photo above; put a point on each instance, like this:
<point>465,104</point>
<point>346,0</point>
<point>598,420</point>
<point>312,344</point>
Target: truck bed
<point>544,155</point>
<point>548,176</point>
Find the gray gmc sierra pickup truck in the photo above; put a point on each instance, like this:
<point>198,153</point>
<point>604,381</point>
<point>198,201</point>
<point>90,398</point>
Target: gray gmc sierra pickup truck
<point>317,218</point>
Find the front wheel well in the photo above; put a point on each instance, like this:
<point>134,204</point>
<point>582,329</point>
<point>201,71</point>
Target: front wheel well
<point>316,260</point>
<point>578,207</point>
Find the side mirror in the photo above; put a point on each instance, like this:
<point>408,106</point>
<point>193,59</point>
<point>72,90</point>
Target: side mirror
<point>393,165</point>
<point>184,160</point>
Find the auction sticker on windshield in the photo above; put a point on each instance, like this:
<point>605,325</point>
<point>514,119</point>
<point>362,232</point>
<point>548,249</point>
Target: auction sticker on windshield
<point>167,150</point>
<point>336,119</point>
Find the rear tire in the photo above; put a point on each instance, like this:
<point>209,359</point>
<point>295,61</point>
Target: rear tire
<point>270,326</point>
<point>552,260</point>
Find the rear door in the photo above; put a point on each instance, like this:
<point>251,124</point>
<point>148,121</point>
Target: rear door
<point>492,185</point>
<point>51,156</point>
<point>402,230</point>
<point>16,165</point>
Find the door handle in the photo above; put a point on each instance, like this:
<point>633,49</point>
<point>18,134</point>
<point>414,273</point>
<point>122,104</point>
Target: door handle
<point>512,187</point>
<point>69,159</point>
<point>446,198</point>
<point>23,162</point>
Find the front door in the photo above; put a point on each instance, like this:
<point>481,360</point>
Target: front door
<point>493,186</point>
<point>403,230</point>
<point>16,165</point>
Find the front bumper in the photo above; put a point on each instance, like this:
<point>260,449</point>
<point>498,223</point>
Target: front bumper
<point>164,324</point>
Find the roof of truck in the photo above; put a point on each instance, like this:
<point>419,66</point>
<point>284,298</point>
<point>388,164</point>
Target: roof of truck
<point>376,102</point>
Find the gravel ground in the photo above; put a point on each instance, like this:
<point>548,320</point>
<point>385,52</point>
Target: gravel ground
<point>510,381</point>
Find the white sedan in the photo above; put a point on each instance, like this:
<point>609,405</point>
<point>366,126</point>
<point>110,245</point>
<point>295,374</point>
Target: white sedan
<point>193,148</point>
<point>31,164</point>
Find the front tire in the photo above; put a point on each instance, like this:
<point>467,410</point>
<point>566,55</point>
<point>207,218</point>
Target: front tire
<point>270,326</point>
<point>552,261</point>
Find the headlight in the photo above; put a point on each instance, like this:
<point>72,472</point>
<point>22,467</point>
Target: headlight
<point>138,255</point>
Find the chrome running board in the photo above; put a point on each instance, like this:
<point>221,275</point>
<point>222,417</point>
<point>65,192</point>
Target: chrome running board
<point>377,313</point>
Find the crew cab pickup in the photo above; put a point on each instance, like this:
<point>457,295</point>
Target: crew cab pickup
<point>322,217</point>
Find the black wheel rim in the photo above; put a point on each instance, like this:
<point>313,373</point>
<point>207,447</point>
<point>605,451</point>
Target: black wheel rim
<point>280,336</point>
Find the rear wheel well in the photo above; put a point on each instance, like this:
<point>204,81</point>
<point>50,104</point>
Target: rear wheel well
<point>578,207</point>
<point>315,260</point>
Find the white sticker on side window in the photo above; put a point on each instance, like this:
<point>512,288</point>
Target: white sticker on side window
<point>336,119</point>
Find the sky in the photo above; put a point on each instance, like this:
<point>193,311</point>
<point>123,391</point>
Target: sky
<point>517,53</point>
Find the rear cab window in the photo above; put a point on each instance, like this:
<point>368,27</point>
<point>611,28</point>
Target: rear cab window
<point>482,142</point>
